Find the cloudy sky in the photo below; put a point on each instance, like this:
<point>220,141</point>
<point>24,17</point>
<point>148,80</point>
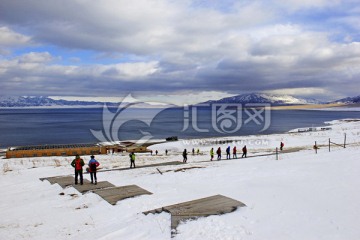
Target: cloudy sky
<point>179,50</point>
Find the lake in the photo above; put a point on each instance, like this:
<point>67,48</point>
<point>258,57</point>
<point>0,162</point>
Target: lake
<point>19,127</point>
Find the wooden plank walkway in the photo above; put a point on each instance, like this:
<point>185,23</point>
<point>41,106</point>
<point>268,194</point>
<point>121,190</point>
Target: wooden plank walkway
<point>214,205</point>
<point>104,189</point>
<point>115,194</point>
<point>63,181</point>
<point>86,187</point>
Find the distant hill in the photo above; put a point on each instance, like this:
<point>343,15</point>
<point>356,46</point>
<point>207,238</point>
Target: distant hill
<point>44,102</point>
<point>266,98</point>
<point>52,103</point>
<point>349,100</point>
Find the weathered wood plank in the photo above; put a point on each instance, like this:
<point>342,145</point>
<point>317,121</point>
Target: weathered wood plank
<point>115,194</point>
<point>87,186</point>
<point>63,181</point>
<point>213,205</point>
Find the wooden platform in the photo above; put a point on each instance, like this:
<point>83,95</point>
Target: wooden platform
<point>104,189</point>
<point>63,181</point>
<point>115,194</point>
<point>87,186</point>
<point>214,205</point>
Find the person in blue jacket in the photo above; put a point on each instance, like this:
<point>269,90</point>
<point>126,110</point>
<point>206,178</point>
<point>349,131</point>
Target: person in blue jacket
<point>93,164</point>
<point>228,152</point>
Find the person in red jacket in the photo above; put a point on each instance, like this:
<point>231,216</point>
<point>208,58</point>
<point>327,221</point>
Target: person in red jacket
<point>93,164</point>
<point>78,163</point>
<point>234,152</point>
<point>218,152</point>
<point>281,146</point>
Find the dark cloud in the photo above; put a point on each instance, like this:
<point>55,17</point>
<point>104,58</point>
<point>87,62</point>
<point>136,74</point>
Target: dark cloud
<point>173,46</point>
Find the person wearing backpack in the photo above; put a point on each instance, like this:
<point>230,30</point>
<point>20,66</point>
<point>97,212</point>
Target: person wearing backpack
<point>244,150</point>
<point>93,164</point>
<point>78,163</point>
<point>132,159</point>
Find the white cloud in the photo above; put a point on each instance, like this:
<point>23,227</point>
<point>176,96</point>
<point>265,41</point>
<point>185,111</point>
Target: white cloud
<point>35,57</point>
<point>10,38</point>
<point>177,46</point>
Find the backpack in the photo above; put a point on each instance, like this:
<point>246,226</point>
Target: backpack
<point>78,165</point>
<point>93,166</point>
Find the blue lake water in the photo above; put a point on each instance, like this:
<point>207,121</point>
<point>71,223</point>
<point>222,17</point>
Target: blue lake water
<point>20,127</point>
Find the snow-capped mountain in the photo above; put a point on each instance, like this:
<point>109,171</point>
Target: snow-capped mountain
<point>52,103</point>
<point>349,100</point>
<point>43,102</point>
<point>266,98</point>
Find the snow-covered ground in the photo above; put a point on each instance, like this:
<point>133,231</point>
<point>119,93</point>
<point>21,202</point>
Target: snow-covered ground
<point>301,196</point>
<point>341,109</point>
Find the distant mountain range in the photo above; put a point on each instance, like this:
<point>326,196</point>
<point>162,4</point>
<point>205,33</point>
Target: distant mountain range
<point>349,100</point>
<point>272,99</point>
<point>266,98</point>
<point>44,102</point>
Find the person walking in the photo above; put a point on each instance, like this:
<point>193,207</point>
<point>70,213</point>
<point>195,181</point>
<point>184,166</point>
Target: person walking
<point>93,164</point>
<point>198,151</point>
<point>166,152</point>
<point>244,150</point>
<point>132,160</point>
<point>78,164</point>
<point>234,152</point>
<point>228,152</point>
<point>281,146</point>
<point>156,152</point>
<point>218,152</point>
<point>211,154</point>
<point>193,151</point>
<point>184,156</point>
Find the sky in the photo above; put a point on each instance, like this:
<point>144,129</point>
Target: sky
<point>179,51</point>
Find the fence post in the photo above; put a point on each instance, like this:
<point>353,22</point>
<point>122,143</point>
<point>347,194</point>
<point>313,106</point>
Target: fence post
<point>277,154</point>
<point>329,144</point>
<point>345,140</point>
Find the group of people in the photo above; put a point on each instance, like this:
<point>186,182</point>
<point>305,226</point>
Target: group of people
<point>78,164</point>
<point>228,150</point>
<point>93,164</point>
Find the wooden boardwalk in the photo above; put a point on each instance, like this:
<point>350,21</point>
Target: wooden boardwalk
<point>214,205</point>
<point>86,187</point>
<point>115,194</point>
<point>108,191</point>
<point>63,181</point>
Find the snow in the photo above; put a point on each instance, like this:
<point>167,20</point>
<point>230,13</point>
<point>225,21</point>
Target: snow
<point>342,109</point>
<point>288,99</point>
<point>303,195</point>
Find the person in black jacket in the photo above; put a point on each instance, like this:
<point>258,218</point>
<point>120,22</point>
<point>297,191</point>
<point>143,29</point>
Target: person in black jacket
<point>244,150</point>
<point>184,156</point>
